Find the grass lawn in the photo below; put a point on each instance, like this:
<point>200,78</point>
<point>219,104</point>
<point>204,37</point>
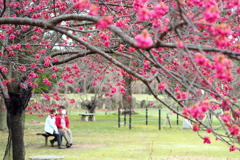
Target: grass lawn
<point>103,140</point>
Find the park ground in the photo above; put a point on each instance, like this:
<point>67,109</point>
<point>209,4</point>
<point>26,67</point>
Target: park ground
<point>103,140</point>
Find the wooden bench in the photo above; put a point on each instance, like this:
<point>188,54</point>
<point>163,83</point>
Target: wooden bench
<point>46,137</point>
<point>87,117</point>
<point>46,157</point>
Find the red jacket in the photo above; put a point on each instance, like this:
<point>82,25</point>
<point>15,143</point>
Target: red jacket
<point>58,121</point>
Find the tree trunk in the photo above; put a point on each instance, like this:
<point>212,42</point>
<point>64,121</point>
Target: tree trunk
<point>3,119</point>
<point>127,98</point>
<point>17,136</point>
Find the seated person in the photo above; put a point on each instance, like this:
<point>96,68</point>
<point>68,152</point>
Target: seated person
<point>51,128</point>
<point>63,125</point>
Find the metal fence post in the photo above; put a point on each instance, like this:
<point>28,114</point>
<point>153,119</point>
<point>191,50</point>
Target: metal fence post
<point>130,119</point>
<point>119,118</point>
<point>146,116</point>
<point>177,116</point>
<point>125,117</point>
<point>159,119</point>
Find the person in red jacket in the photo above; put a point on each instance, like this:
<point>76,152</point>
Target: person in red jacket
<point>63,124</point>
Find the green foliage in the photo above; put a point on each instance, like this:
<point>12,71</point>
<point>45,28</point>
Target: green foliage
<point>42,86</point>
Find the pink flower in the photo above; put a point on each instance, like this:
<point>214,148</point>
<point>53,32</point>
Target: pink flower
<point>232,148</point>
<point>185,112</point>
<point>41,115</point>
<point>160,9</point>
<point>196,127</point>
<point>11,36</point>
<point>226,117</point>
<point>151,103</point>
<point>32,75</point>
<point>95,83</point>
<point>93,10</point>
<point>55,59</point>
<point>234,129</point>
<point>206,140</point>
<point>77,89</point>
<point>104,22</point>
<point>54,68</point>
<point>37,56</point>
<point>161,86</point>
<point>81,4</point>
<point>46,81</point>
<point>72,101</point>
<point>2,36</point>
<point>143,40</point>
<point>209,130</point>
<point>113,89</point>
<point>33,65</point>
<point>200,59</point>
<point>3,108</point>
<point>46,96</point>
<point>211,14</point>
<point>180,44</point>
<point>35,38</point>
<point>238,70</point>
<point>143,14</point>
<point>54,75</point>
<point>57,98</point>
<point>22,68</point>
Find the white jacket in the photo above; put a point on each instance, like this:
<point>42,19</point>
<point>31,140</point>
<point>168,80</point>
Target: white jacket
<point>50,125</point>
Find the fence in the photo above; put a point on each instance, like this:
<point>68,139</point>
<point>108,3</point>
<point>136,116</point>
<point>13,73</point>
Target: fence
<point>140,117</point>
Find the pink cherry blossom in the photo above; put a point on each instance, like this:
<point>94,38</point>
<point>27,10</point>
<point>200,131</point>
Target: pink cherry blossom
<point>161,86</point>
<point>143,40</point>
<point>196,127</point>
<point>33,65</point>
<point>151,104</point>
<point>95,83</point>
<point>93,10</point>
<point>200,59</point>
<point>105,21</point>
<point>211,14</point>
<point>12,36</point>
<point>226,117</point>
<point>206,140</point>
<point>54,68</point>
<point>2,36</point>
<point>47,82</point>
<point>81,4</point>
<point>144,14</point>
<point>22,68</point>
<point>160,9</point>
<point>72,101</point>
<point>180,44</point>
<point>209,130</point>
<point>35,38</point>
<point>232,148</point>
<point>234,129</point>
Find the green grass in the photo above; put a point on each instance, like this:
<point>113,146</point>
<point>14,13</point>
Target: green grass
<point>103,140</point>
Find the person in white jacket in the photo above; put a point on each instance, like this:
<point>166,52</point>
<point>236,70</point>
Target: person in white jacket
<point>51,128</point>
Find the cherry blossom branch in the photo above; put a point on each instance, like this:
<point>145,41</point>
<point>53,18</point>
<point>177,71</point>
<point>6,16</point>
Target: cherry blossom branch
<point>70,58</point>
<point>4,8</point>
<point>231,54</point>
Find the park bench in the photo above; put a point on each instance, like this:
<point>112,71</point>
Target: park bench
<point>87,116</point>
<point>46,157</point>
<point>46,137</point>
